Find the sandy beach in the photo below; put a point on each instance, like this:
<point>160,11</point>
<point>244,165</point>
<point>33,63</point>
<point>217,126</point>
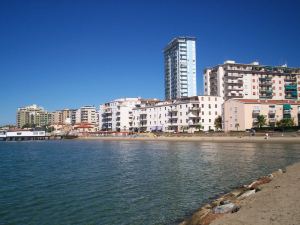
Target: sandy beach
<point>276,203</point>
<point>235,139</point>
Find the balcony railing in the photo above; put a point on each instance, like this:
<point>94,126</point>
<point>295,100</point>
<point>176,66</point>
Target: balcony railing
<point>194,108</point>
<point>272,120</point>
<point>272,111</point>
<point>256,111</point>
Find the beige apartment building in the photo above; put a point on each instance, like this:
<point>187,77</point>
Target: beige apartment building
<point>65,116</point>
<point>241,114</point>
<point>33,115</point>
<point>252,81</point>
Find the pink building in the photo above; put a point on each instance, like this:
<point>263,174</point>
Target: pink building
<point>241,114</point>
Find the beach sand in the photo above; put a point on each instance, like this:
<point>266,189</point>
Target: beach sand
<point>277,203</point>
<point>235,139</point>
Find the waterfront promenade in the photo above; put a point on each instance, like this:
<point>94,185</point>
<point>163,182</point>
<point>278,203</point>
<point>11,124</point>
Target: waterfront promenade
<point>235,139</point>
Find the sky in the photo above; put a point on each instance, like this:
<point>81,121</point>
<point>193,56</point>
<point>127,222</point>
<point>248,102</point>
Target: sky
<point>66,54</point>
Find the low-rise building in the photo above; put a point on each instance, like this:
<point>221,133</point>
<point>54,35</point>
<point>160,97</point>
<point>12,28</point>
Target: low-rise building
<point>185,114</point>
<point>242,114</point>
<point>116,115</point>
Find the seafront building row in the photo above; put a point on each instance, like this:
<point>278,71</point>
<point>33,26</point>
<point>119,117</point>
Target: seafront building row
<point>235,92</point>
<point>34,115</point>
<point>184,114</point>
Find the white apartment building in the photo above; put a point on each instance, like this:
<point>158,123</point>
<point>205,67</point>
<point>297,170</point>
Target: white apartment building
<point>180,68</point>
<point>252,81</point>
<point>87,114</point>
<point>185,114</point>
<point>117,114</point>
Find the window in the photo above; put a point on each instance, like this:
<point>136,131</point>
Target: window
<point>202,120</point>
<point>216,113</point>
<point>253,87</point>
<point>209,113</point>
<point>253,93</point>
<point>280,82</point>
<point>209,120</point>
<point>216,106</point>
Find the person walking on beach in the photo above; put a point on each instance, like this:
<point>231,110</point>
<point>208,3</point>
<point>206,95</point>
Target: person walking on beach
<point>267,136</point>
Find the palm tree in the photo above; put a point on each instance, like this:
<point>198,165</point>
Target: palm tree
<point>218,123</point>
<point>237,125</point>
<point>261,120</point>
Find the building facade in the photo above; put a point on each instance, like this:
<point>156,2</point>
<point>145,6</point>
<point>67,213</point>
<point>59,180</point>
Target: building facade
<point>65,116</point>
<point>241,114</point>
<point>180,68</point>
<point>86,114</point>
<point>117,114</point>
<point>186,114</point>
<point>33,116</point>
<point>252,81</point>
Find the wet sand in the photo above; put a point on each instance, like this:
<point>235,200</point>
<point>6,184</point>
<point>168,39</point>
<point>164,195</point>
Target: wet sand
<point>235,139</point>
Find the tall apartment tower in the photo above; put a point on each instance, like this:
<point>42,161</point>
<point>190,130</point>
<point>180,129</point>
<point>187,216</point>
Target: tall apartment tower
<point>180,68</point>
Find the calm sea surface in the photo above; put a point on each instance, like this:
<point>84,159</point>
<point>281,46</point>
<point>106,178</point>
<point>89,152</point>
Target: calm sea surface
<point>125,182</point>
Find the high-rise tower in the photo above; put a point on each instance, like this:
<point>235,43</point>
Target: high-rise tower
<point>180,68</point>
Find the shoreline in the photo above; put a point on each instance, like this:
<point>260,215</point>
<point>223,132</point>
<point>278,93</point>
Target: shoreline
<point>272,199</point>
<point>234,139</point>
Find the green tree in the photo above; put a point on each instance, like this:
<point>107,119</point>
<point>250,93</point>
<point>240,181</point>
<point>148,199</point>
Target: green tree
<point>285,122</point>
<point>237,125</point>
<point>199,126</point>
<point>184,128</point>
<point>261,120</point>
<point>218,123</point>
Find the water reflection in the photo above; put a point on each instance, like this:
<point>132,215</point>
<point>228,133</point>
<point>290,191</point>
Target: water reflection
<point>127,182</point>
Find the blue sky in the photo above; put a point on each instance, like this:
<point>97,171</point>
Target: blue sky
<point>65,54</point>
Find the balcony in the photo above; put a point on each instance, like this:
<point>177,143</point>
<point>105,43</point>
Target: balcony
<point>290,79</point>
<point>287,111</point>
<point>173,120</point>
<point>173,110</point>
<point>194,108</point>
<point>193,115</point>
<point>143,118</point>
<point>272,111</point>
<point>291,87</point>
<point>272,120</point>
<point>256,111</point>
